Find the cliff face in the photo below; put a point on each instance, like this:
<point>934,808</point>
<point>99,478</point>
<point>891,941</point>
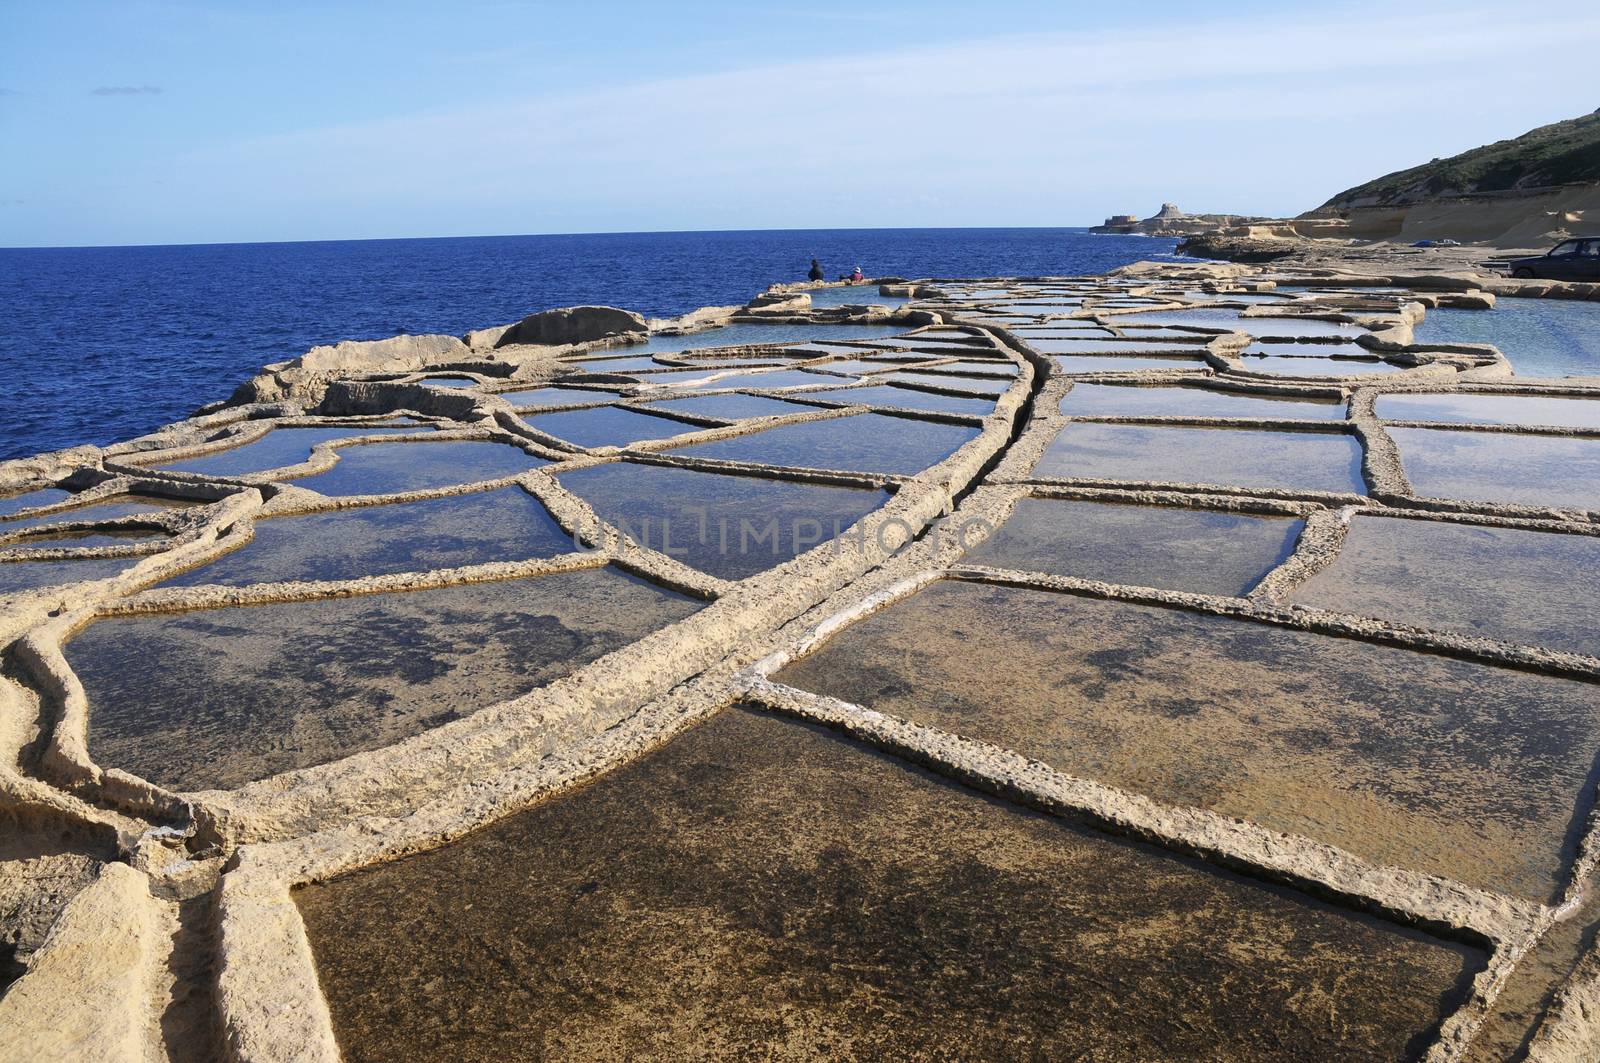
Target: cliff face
<point>1169,221</point>
<point>1563,153</point>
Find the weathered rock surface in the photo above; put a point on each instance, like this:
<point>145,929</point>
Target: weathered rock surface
<point>774,301</point>
<point>572,324</point>
<point>305,374</point>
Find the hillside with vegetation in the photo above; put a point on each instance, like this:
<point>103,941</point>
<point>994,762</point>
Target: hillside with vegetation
<point>1563,153</point>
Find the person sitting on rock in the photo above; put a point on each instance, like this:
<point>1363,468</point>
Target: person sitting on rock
<point>816,270</point>
<point>856,277</point>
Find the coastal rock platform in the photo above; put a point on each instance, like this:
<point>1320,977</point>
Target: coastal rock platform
<point>1195,661</point>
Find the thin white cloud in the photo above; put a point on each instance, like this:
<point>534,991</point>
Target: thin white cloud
<point>126,90</point>
<point>1264,115</point>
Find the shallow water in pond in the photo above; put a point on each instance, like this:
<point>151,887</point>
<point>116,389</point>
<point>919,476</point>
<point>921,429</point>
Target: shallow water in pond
<point>734,360</point>
<point>451,381</point>
<point>503,525</point>
<point>1145,546</point>
<point>813,350</point>
<point>904,398</point>
<point>17,576</point>
<point>1542,337</point>
<point>1106,400</point>
<point>866,442</point>
<point>44,496</point>
<point>607,426</point>
<point>1504,583</point>
<point>860,366</point>
<point>688,378</point>
<point>728,526</point>
<point>1231,321</point>
<point>1121,363</point>
<point>828,881</point>
<point>942,346</point>
<point>122,505</point>
<point>82,539</point>
<point>1299,327</point>
<point>976,385</point>
<point>1501,467</point>
<point>614,365</point>
<point>731,407</point>
<point>1236,457</point>
<point>1319,367</point>
<point>555,396</point>
<point>1306,350</point>
<point>1250,298</point>
<point>389,468</point>
<point>1115,346</point>
<point>858,294</point>
<point>277,449</point>
<point>1215,318</point>
<point>218,697</point>
<point>989,366</point>
<point>731,335</point>
<point>1513,1018</point>
<point>1492,409</point>
<point>1077,328</point>
<point>781,378</point>
<point>1480,774</point>
<point>1043,306</point>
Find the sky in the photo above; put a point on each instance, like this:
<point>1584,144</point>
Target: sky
<point>159,122</point>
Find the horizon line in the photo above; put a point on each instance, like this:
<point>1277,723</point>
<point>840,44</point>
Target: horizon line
<point>521,236</point>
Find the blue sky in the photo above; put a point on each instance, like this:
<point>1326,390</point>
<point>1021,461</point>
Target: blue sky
<point>139,122</point>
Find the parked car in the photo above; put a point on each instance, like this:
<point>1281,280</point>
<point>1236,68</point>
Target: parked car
<point>1570,260</point>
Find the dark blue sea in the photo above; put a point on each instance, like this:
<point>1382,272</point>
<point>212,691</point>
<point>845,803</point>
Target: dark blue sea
<point>101,344</point>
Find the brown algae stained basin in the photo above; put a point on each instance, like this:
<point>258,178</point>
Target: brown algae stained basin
<point>759,882</point>
<point>1480,774</point>
<point>219,697</point>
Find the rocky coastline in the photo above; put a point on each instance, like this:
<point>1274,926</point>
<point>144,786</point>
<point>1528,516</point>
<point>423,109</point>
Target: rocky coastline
<point>826,726</point>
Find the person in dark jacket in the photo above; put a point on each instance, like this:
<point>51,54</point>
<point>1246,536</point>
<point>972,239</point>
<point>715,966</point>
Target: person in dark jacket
<point>816,270</point>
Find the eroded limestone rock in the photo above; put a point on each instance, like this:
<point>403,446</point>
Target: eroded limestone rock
<point>572,324</point>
